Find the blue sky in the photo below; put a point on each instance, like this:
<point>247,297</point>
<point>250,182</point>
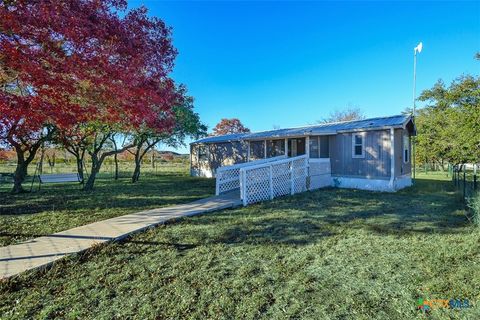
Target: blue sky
<point>292,63</point>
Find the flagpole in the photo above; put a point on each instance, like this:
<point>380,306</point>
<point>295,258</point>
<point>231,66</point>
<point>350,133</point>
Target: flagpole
<point>419,49</point>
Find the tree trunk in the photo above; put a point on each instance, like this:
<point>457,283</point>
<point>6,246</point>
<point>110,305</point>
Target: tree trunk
<point>20,173</point>
<point>79,166</point>
<point>136,171</point>
<point>40,165</point>
<point>152,159</point>
<point>96,165</point>
<point>116,165</point>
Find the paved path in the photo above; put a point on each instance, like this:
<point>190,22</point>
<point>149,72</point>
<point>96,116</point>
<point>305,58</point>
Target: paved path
<point>43,251</point>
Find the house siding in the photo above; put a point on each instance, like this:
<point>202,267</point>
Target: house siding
<point>375,164</point>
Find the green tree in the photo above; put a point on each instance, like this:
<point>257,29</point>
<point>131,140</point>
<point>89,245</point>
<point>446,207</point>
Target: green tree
<point>449,125</point>
<point>187,124</point>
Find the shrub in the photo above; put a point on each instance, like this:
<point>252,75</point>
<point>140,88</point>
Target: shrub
<point>474,205</point>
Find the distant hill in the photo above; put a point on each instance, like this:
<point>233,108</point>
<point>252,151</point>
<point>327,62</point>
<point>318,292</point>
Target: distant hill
<point>173,153</point>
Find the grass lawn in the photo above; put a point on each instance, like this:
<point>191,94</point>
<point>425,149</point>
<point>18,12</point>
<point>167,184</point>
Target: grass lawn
<point>58,207</point>
<point>329,254</point>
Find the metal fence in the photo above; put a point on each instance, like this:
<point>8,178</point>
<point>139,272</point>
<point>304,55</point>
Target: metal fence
<point>465,180</point>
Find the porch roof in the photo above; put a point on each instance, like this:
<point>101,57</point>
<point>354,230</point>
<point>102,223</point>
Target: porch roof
<point>398,121</point>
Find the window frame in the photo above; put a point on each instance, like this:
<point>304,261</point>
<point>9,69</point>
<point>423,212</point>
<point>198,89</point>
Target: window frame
<point>406,149</point>
<point>199,153</point>
<point>320,145</point>
<point>314,140</point>
<point>355,144</point>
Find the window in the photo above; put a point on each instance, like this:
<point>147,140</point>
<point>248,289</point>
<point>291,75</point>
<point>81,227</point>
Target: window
<point>406,148</point>
<point>202,153</point>
<point>358,146</point>
<point>319,147</point>
<point>324,147</point>
<point>314,148</point>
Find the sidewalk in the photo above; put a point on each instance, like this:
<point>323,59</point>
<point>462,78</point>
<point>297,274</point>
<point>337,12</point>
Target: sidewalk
<point>42,251</point>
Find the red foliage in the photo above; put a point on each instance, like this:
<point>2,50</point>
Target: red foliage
<point>3,155</point>
<point>76,61</point>
<point>7,155</point>
<point>229,126</point>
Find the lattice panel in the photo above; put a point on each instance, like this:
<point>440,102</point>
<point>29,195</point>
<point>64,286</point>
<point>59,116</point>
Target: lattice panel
<point>228,180</point>
<point>257,184</point>
<point>281,179</point>
<point>228,177</point>
<point>275,179</point>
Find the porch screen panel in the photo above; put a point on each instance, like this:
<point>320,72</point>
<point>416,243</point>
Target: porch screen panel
<point>275,148</point>
<point>257,150</point>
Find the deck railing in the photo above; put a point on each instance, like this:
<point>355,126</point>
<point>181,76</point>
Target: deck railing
<point>273,179</point>
<point>228,177</point>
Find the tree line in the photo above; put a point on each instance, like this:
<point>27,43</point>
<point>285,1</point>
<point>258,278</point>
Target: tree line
<point>86,75</point>
<point>449,123</point>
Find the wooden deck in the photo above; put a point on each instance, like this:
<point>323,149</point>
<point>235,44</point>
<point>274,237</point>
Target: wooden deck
<point>43,251</point>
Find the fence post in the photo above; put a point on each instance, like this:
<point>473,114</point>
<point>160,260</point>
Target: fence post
<point>243,187</point>
<point>217,183</point>
<point>464,184</point>
<point>271,183</point>
<point>292,184</point>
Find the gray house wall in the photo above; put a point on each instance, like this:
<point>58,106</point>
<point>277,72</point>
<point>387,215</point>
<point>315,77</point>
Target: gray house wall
<point>375,164</point>
<point>219,154</point>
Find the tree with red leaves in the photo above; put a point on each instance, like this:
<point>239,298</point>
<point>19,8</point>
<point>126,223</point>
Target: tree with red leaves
<point>76,64</point>
<point>229,126</point>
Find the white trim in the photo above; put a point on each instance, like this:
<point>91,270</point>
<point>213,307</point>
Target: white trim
<point>250,163</point>
<point>354,144</point>
<point>307,146</point>
<point>265,149</point>
<point>319,160</point>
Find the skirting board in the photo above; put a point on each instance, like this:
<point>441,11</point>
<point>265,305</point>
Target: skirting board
<point>372,184</point>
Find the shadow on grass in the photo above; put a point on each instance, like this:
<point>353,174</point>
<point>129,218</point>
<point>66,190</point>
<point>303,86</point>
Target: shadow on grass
<point>431,206</point>
<point>148,192</point>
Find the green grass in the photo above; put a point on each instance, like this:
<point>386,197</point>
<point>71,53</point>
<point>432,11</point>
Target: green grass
<point>328,254</point>
<point>58,207</point>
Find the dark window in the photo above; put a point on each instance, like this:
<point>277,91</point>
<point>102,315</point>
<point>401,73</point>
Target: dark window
<point>358,150</point>
<point>406,148</point>
<point>202,153</point>
<point>324,147</point>
<point>358,139</point>
<point>358,146</point>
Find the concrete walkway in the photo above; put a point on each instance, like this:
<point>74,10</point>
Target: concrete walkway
<point>43,251</point>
